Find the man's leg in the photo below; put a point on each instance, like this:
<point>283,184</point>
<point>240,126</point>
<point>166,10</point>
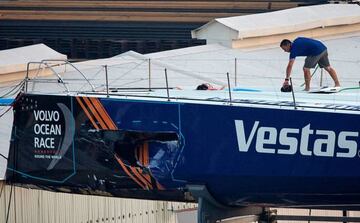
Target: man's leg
<point>307,78</point>
<point>324,62</point>
<point>333,75</point>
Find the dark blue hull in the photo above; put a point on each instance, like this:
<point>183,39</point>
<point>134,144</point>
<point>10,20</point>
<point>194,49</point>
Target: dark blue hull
<point>153,149</point>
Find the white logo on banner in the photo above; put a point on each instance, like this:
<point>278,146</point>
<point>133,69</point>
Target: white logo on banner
<point>293,140</point>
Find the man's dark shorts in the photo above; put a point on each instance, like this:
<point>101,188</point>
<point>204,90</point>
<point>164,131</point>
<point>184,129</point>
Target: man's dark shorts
<point>322,59</point>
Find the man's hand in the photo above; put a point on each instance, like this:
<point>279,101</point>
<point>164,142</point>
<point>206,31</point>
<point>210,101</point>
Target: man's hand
<point>286,86</point>
<point>286,82</point>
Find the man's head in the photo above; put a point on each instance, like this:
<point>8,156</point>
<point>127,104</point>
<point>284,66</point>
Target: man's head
<point>285,45</point>
<point>205,86</point>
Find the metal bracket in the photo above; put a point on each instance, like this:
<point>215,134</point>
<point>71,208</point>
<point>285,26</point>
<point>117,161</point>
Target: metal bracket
<point>210,211</point>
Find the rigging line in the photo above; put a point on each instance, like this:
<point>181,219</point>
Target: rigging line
<point>16,86</point>
<point>2,155</point>
<point>8,211</point>
<point>10,84</point>
<point>15,159</point>
<point>7,110</point>
<point>245,59</point>
<point>91,78</point>
<point>121,65</point>
<point>9,94</point>
<point>10,106</point>
<point>2,109</point>
<point>7,89</point>
<point>14,203</point>
<point>135,81</point>
<point>126,73</point>
<point>2,188</point>
<point>242,74</point>
<point>93,66</point>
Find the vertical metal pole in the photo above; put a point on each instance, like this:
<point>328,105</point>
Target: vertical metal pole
<point>228,79</point>
<point>235,72</point>
<point>107,81</point>
<point>345,214</point>
<point>149,74</point>
<point>27,77</point>
<point>321,77</point>
<point>292,92</point>
<point>167,85</point>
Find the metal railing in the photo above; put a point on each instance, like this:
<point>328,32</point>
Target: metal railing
<point>50,67</point>
<point>110,91</point>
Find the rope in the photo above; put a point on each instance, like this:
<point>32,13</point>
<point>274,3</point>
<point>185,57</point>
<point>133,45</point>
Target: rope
<point>8,211</point>
<point>127,72</point>
<point>7,110</point>
<point>10,93</point>
<point>14,165</point>
<point>2,188</point>
<point>2,155</point>
<point>99,71</point>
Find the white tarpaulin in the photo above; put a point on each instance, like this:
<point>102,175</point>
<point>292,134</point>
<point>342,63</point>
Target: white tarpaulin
<point>15,60</point>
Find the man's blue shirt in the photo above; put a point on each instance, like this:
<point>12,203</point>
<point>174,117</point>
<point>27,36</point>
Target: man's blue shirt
<point>306,47</point>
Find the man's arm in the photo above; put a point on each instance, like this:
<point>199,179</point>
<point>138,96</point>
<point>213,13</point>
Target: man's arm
<point>288,71</point>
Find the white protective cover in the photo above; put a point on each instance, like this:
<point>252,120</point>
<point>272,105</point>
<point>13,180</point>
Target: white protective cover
<point>15,60</point>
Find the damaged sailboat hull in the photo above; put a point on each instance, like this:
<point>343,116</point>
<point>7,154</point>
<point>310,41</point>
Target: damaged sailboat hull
<point>153,149</point>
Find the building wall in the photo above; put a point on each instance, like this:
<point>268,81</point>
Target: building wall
<point>216,33</point>
<point>37,206</point>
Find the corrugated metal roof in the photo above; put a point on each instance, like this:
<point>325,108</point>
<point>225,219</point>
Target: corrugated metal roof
<point>289,20</point>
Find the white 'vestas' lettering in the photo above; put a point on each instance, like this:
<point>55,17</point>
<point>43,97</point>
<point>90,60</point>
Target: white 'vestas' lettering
<point>292,140</point>
<point>262,139</point>
<point>328,142</point>
<point>240,130</point>
<point>347,144</point>
<point>304,143</point>
<point>285,140</point>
